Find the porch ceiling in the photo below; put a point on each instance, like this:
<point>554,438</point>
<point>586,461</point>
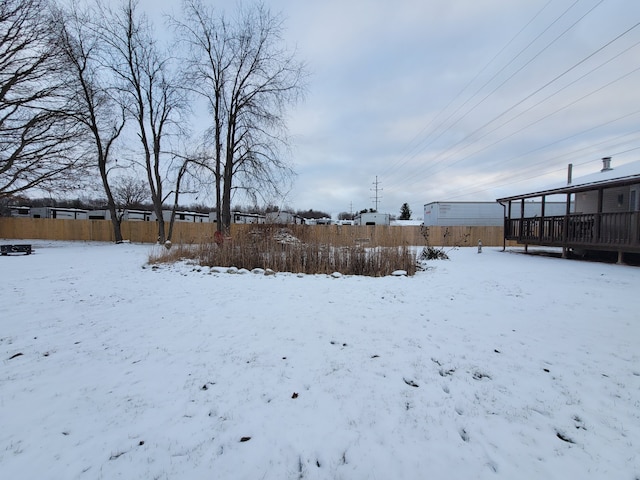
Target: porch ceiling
<point>617,182</point>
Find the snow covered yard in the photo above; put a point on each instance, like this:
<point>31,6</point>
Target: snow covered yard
<point>492,365</point>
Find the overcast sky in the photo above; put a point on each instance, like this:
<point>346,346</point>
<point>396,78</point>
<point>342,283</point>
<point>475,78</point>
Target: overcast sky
<point>455,100</point>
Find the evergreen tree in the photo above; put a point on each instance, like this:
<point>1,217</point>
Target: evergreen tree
<point>405,212</point>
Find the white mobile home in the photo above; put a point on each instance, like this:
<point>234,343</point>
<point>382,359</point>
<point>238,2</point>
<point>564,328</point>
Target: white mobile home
<point>479,214</point>
<point>137,215</point>
<point>182,216</point>
<point>319,221</point>
<point>19,212</point>
<point>244,218</point>
<point>372,218</point>
<point>127,215</point>
<point>59,213</point>
<point>286,218</point>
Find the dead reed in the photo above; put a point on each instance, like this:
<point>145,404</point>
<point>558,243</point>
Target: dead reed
<point>276,248</point>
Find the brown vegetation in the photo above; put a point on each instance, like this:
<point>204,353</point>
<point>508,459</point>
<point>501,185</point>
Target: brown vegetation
<point>276,248</point>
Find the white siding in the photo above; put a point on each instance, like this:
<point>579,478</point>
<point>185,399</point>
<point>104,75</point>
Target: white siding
<point>373,219</point>
<point>482,214</point>
<point>59,213</point>
<point>451,214</point>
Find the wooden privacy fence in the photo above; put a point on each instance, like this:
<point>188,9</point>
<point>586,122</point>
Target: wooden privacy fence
<point>185,232</point>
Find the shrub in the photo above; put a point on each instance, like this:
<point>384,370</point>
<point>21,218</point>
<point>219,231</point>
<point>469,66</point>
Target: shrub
<point>439,253</point>
<point>432,253</point>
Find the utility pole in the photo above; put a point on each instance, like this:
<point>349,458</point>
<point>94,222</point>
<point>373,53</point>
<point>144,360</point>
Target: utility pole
<point>377,197</point>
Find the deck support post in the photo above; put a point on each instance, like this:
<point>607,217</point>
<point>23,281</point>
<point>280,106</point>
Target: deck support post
<point>620,257</point>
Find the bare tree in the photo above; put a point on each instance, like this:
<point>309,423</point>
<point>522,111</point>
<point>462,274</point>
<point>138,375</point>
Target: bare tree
<point>41,145</point>
<point>130,192</point>
<point>248,79</point>
<point>90,94</point>
<point>150,91</point>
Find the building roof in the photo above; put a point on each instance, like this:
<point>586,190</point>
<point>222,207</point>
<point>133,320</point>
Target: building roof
<point>623,175</point>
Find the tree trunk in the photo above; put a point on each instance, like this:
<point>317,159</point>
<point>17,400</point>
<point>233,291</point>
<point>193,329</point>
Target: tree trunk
<point>226,197</point>
<point>115,219</point>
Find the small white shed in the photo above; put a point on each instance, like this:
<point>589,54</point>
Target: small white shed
<point>372,218</point>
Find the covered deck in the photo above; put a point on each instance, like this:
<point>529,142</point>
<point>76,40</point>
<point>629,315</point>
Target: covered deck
<point>600,216</point>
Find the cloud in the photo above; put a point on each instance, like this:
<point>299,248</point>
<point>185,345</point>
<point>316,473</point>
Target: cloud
<point>457,99</point>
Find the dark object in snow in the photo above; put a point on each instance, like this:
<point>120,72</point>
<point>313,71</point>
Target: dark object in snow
<point>564,438</point>
<point>141,443</point>
<point>245,439</point>
<point>15,355</point>
<point>481,375</point>
<point>432,253</point>
<point>546,370</point>
<point>375,356</point>
<point>22,248</point>
<point>496,350</point>
<point>411,383</point>
<point>295,395</point>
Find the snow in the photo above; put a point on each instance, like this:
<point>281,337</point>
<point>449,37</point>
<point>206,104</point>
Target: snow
<point>477,367</point>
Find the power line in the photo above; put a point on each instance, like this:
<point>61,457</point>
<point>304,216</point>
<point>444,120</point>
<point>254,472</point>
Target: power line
<point>544,118</point>
<point>515,73</point>
<point>541,174</point>
<point>442,132</point>
<point>555,93</point>
<point>399,163</point>
<point>618,37</point>
<point>548,160</point>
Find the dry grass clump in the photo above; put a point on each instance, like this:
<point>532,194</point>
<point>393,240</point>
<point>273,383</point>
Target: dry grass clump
<point>276,248</point>
<point>173,254</point>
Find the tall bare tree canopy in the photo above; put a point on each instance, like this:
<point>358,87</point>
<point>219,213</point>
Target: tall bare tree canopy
<point>40,144</point>
<point>248,78</point>
<point>81,78</point>
<point>150,92</point>
<point>90,92</point>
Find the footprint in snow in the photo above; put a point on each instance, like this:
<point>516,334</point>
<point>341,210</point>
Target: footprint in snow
<point>410,382</point>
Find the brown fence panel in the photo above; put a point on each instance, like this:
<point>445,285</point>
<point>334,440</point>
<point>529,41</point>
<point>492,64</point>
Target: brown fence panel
<point>187,232</point>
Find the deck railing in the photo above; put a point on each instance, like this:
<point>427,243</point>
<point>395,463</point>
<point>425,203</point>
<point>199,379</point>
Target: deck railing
<point>611,230</point>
